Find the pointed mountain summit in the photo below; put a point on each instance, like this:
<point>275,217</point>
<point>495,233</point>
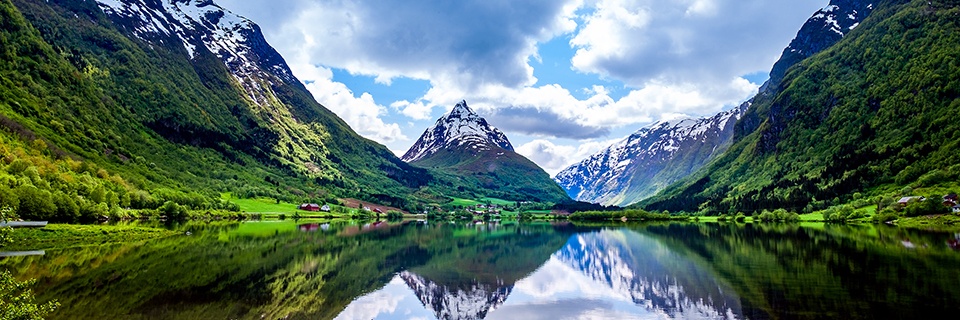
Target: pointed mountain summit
<point>462,143</point>
<point>462,128</point>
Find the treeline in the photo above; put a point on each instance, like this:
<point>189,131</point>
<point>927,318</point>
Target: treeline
<point>34,186</point>
<point>627,214</point>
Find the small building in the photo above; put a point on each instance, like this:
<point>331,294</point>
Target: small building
<point>309,207</point>
<point>903,201</point>
<point>325,208</point>
<point>366,208</point>
<point>377,210</point>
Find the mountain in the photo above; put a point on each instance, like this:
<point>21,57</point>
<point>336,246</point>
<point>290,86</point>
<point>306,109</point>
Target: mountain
<point>650,159</point>
<point>181,100</point>
<point>464,145</point>
<point>651,274</point>
<point>461,128</point>
<point>822,30</point>
<point>471,303</point>
<point>870,114</point>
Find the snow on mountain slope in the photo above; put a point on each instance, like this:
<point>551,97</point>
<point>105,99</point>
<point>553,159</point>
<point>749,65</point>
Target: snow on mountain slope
<point>461,127</point>
<point>235,40</point>
<point>630,170</point>
<point>820,31</point>
<point>651,275</point>
<point>456,303</point>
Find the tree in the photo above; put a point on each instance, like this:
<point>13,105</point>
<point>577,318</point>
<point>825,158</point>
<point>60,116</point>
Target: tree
<point>17,301</point>
<point>173,211</point>
<point>35,204</point>
<point>6,233</point>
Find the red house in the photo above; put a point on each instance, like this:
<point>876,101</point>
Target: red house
<point>309,207</point>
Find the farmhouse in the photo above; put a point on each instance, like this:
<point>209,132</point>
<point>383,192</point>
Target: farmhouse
<point>310,207</point>
<point>903,201</point>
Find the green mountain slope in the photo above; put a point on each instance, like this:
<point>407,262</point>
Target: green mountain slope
<point>164,112</point>
<point>877,108</point>
<point>497,173</point>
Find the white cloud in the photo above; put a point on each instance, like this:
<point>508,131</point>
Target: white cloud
<point>370,306</point>
<point>554,158</point>
<point>684,56</point>
<point>699,42</point>
<point>551,111</point>
<point>362,114</point>
<point>467,43</point>
<point>416,110</point>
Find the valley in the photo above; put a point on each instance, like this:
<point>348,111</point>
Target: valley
<point>186,172</point>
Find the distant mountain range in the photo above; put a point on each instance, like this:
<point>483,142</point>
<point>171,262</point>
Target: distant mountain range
<point>650,159</point>
<point>464,144</point>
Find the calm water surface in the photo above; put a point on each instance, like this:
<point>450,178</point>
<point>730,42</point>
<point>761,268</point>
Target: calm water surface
<point>416,270</point>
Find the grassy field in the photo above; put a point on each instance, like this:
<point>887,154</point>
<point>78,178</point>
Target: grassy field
<point>468,202</point>
<point>265,205</point>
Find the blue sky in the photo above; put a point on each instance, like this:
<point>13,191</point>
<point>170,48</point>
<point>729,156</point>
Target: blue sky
<point>563,79</point>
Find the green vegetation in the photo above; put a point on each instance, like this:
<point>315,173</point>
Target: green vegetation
<point>90,107</point>
<point>273,270</point>
<point>496,173</point>
<point>63,236</point>
<point>17,301</point>
<point>627,214</point>
<point>871,114</point>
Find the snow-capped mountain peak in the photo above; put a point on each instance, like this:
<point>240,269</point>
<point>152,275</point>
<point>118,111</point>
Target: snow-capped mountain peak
<point>630,169</point>
<point>203,25</point>
<point>472,303</point>
<point>461,127</point>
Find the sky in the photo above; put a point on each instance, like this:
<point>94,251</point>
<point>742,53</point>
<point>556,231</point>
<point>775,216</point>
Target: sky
<point>562,79</point>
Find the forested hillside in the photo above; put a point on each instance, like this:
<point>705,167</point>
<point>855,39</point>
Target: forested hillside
<point>180,99</point>
<point>876,110</point>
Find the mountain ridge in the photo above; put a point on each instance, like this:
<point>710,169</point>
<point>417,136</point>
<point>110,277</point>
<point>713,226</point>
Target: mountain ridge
<point>650,159</point>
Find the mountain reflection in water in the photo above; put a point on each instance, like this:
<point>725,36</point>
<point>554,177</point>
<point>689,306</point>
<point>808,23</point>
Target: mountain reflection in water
<point>607,274</point>
<point>413,270</point>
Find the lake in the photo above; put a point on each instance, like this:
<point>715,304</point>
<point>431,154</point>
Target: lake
<point>417,270</point>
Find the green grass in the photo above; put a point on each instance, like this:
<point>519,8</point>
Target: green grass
<point>468,202</point>
<point>499,201</point>
<point>538,211</point>
<point>816,216</point>
<point>265,205</point>
<point>56,236</point>
<point>943,222</point>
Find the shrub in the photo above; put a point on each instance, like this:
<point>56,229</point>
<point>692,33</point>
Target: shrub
<point>18,302</point>
<point>929,206</point>
<point>740,217</point>
<point>173,211</point>
<point>394,215</point>
<point>887,214</point>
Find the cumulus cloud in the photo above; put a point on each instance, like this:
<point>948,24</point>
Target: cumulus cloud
<point>551,111</point>
<point>684,56</point>
<point>469,42</point>
<point>554,158</point>
<point>700,42</point>
<point>416,110</point>
<point>370,306</point>
<point>362,114</point>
